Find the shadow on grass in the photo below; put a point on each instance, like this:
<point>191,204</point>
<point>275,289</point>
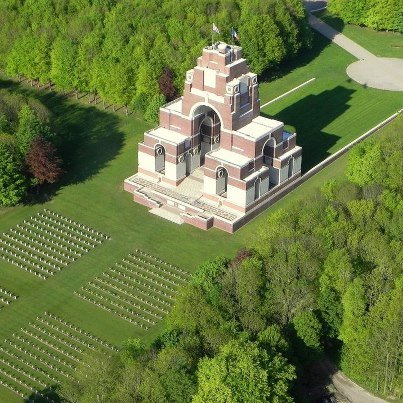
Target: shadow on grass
<point>319,43</point>
<point>46,395</point>
<point>334,22</point>
<point>86,137</point>
<point>310,116</point>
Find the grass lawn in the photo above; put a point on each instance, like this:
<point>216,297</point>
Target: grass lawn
<point>99,148</point>
<point>380,43</point>
<point>332,110</point>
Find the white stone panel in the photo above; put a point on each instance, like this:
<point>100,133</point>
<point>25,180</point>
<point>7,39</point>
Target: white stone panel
<point>170,171</point>
<point>250,195</point>
<point>210,78</point>
<point>264,186</point>
<point>284,173</point>
<point>181,170</point>
<point>297,164</point>
<point>146,161</point>
<point>209,185</point>
<point>274,175</point>
<point>236,196</point>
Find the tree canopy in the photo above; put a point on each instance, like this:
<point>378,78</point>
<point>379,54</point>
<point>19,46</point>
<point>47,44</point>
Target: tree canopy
<point>327,272</point>
<point>376,14</point>
<point>132,52</point>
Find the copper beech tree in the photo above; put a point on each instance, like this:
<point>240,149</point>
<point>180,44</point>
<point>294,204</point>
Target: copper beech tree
<point>43,162</point>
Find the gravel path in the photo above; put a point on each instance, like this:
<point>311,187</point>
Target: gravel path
<point>350,390</point>
<point>376,72</point>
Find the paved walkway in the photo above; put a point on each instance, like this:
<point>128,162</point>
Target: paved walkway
<point>339,39</point>
<point>353,392</point>
<point>371,71</point>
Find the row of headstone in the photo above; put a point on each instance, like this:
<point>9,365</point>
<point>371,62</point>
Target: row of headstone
<point>23,267</point>
<point>109,309</point>
<point>32,256</point>
<point>55,235</point>
<point>48,343</point>
<point>75,222</point>
<point>111,280</point>
<point>31,262</point>
<point>117,305</point>
<point>30,365</point>
<point>35,249</point>
<point>144,276</point>
<point>72,229</point>
<point>8,293</point>
<point>145,301</point>
<point>39,359</point>
<point>12,388</point>
<point>159,266</point>
<point>81,331</point>
<point>149,271</point>
<point>57,230</point>
<point>22,371</point>
<point>44,241</point>
<point>16,379</point>
<point>58,339</point>
<point>160,261</point>
<point>65,333</point>
<point>124,299</point>
<point>136,281</point>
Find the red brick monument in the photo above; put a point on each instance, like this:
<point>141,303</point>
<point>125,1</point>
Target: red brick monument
<point>214,161</point>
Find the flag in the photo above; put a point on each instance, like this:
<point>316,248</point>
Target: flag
<point>215,29</point>
<point>234,34</point>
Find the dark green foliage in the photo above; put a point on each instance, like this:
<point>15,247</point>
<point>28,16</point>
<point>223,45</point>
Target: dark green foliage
<point>25,147</point>
<point>327,272</point>
<point>13,184</point>
<point>377,14</point>
<point>120,49</point>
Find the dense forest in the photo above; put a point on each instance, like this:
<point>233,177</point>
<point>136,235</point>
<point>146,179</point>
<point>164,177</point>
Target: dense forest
<point>133,52</point>
<point>28,157</point>
<point>322,278</point>
<point>377,14</point>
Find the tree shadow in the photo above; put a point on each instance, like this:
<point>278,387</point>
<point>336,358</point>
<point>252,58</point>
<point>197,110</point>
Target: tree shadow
<point>310,116</point>
<point>314,371</point>
<point>303,58</point>
<point>333,21</point>
<point>46,395</point>
<point>87,138</point>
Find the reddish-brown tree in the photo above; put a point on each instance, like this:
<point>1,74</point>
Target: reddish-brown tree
<point>42,161</point>
<point>166,84</point>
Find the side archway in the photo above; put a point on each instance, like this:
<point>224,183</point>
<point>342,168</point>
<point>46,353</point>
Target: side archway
<point>159,152</point>
<point>221,181</point>
<point>268,151</point>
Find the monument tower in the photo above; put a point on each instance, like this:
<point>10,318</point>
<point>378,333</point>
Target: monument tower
<point>213,160</point>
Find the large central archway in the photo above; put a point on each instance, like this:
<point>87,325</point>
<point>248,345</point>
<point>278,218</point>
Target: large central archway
<point>207,129</point>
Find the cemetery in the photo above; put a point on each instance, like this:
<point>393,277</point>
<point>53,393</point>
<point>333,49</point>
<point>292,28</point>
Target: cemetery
<point>6,297</point>
<point>47,243</point>
<point>140,289</point>
<point>43,353</point>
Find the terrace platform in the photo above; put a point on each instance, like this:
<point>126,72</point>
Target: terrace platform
<point>186,204</point>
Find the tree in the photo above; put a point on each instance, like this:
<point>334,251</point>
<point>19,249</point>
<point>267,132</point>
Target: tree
<point>166,84</point>
<point>151,113</point>
<point>63,57</point>
<point>309,331</point>
<point>243,372</point>
<point>43,162</point>
<point>29,127</point>
<point>13,185</point>
<point>169,377</point>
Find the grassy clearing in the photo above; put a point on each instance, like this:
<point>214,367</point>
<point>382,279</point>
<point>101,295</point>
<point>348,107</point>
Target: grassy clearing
<point>383,44</point>
<point>100,150</point>
<point>332,110</point>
